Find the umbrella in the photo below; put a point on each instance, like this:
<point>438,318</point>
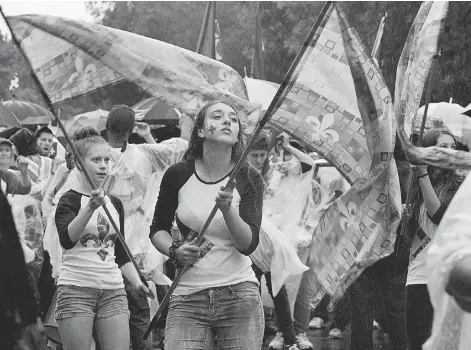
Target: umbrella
<point>95,118</point>
<point>7,118</point>
<point>261,91</point>
<point>452,115</point>
<point>468,110</point>
<point>23,110</point>
<point>154,111</point>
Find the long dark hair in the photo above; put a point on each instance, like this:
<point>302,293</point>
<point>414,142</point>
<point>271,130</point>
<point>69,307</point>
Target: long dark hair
<point>195,145</point>
<point>445,182</point>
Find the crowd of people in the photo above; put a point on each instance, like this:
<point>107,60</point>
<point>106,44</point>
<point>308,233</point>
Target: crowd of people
<point>64,223</point>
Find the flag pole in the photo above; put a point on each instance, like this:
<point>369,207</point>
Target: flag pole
<point>202,36</point>
<point>413,175</point>
<point>72,147</point>
<point>293,71</point>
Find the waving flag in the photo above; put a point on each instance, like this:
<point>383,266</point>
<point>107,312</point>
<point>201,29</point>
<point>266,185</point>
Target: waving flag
<point>209,43</point>
<point>340,105</point>
<point>321,108</point>
<point>412,71</point>
<point>71,58</point>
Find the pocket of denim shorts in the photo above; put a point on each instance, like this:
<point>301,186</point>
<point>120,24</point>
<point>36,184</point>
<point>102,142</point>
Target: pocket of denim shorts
<point>247,292</point>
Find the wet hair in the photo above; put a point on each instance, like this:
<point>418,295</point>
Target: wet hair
<point>460,146</point>
<point>86,137</point>
<point>195,145</point>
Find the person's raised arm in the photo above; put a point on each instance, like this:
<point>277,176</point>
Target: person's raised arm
<point>143,130</point>
<point>435,209</point>
<point>302,157</point>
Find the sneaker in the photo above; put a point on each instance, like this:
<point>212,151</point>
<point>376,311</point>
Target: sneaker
<point>292,347</point>
<point>278,343</point>
<point>316,323</point>
<point>335,333</point>
<point>303,342</point>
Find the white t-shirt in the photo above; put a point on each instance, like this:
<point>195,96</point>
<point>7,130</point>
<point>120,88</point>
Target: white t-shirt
<point>417,273</point>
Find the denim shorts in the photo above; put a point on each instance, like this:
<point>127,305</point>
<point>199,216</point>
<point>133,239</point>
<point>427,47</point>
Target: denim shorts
<point>73,301</point>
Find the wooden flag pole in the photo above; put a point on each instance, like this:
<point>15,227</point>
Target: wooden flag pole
<point>73,149</point>
<point>274,105</point>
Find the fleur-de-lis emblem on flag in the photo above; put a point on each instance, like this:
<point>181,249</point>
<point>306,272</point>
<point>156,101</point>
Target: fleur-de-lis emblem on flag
<point>323,128</point>
<point>348,214</point>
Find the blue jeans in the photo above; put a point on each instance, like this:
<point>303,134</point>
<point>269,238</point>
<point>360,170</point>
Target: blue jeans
<point>233,314</point>
<point>139,318</point>
<point>80,309</point>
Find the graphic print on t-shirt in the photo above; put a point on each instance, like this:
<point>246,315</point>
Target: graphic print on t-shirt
<point>103,240</point>
<point>205,245</point>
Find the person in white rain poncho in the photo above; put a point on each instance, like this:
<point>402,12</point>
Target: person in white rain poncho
<point>449,276</point>
<point>134,178</point>
<point>290,207</point>
<point>276,258</point>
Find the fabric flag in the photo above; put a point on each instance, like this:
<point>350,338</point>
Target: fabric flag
<point>412,71</point>
<point>71,58</point>
<point>258,66</point>
<point>340,105</point>
<point>209,42</point>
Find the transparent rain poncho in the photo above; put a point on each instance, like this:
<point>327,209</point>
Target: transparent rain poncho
<point>289,192</point>
<point>289,218</point>
<point>452,241</point>
<point>135,179</point>
<point>51,237</point>
<point>28,221</point>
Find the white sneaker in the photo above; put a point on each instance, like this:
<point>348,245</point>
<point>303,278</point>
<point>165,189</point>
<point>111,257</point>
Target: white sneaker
<point>278,343</point>
<point>293,347</point>
<point>316,323</point>
<point>335,333</point>
<point>303,342</point>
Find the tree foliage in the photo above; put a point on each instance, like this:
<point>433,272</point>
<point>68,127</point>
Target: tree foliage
<point>284,26</point>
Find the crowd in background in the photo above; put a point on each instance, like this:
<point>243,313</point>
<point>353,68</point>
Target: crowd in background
<point>61,252</point>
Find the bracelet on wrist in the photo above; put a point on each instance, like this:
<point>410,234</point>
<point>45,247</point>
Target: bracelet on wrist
<point>172,251</point>
<point>421,176</point>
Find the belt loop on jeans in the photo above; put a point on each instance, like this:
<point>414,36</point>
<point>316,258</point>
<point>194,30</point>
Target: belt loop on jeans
<point>231,291</point>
